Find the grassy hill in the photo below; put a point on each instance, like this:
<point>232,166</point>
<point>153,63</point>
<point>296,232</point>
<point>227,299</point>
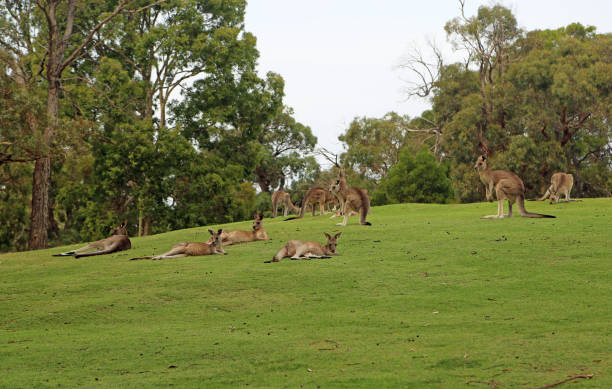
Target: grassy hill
<point>429,296</point>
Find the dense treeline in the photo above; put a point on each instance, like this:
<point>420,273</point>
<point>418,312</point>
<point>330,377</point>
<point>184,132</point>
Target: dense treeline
<point>90,135</point>
<point>535,102</point>
<point>153,112</point>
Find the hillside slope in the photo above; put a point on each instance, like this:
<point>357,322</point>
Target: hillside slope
<point>428,296</point>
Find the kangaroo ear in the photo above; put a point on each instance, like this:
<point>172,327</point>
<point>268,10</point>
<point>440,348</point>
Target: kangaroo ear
<point>337,235</point>
<point>327,235</point>
<point>220,231</point>
<point>484,157</point>
<point>211,232</point>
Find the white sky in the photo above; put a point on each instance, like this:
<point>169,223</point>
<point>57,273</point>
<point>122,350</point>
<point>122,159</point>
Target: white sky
<point>339,57</point>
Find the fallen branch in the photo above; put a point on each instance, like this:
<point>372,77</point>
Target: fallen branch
<point>585,376</point>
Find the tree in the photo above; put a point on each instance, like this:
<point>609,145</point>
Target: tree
<point>286,144</point>
<point>373,144</point>
<point>54,28</point>
<point>418,179</point>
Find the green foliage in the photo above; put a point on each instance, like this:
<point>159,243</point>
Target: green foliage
<point>15,189</point>
<point>536,103</point>
<point>417,179</point>
<point>284,152</point>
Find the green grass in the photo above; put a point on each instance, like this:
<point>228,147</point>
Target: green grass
<point>430,296</point>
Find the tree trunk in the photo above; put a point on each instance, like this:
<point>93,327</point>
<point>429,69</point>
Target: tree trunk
<point>41,185</point>
<point>162,112</point>
<point>148,225</point>
<point>39,218</point>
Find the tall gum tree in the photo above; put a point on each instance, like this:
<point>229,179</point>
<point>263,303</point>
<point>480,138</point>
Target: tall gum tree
<point>54,40</point>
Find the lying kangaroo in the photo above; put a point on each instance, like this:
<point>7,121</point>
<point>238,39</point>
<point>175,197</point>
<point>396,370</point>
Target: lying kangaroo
<point>192,249</point>
<point>118,241</point>
<point>280,198</point>
<point>233,237</point>
<point>298,249</point>
<point>507,185</point>
<point>352,200</point>
<point>560,184</point>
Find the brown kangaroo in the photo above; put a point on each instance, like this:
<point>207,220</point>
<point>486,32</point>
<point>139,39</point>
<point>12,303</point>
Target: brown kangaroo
<point>560,184</point>
<point>233,237</point>
<point>508,186</point>
<point>192,249</point>
<point>298,249</point>
<point>280,198</point>
<point>316,195</point>
<point>352,200</point>
<point>118,241</point>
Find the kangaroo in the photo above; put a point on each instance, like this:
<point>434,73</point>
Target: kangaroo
<point>560,184</point>
<point>352,200</point>
<point>316,195</point>
<point>280,198</point>
<point>233,237</point>
<point>192,249</point>
<point>507,185</point>
<point>118,241</point>
<point>298,249</point>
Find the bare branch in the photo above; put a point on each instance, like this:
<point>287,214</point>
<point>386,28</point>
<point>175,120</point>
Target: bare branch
<point>327,155</point>
<point>120,8</point>
<point>426,70</point>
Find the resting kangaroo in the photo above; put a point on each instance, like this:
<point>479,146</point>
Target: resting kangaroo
<point>192,249</point>
<point>280,198</point>
<point>352,200</point>
<point>507,185</point>
<point>118,241</point>
<point>298,249</point>
<point>560,184</point>
<point>233,237</point>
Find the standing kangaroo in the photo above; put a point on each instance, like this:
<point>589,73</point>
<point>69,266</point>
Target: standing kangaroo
<point>560,184</point>
<point>352,200</point>
<point>192,249</point>
<point>233,237</point>
<point>280,198</point>
<point>316,195</point>
<point>118,241</point>
<point>298,249</point>
<point>507,185</point>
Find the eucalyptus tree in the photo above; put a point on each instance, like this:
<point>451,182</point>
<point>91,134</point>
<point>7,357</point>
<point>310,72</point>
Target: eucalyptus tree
<point>45,30</point>
<point>286,146</point>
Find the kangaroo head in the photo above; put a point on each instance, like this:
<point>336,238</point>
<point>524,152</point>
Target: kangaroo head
<point>332,243</point>
<point>120,230</point>
<point>217,242</point>
<point>554,197</point>
<point>257,221</point>
<point>334,187</point>
<point>481,163</point>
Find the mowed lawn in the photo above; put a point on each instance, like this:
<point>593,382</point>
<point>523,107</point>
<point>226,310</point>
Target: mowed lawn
<point>430,296</point>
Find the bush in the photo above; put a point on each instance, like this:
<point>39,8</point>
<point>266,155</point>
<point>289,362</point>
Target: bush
<point>416,179</point>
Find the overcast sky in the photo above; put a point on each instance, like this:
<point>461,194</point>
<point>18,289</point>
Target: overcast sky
<point>339,57</point>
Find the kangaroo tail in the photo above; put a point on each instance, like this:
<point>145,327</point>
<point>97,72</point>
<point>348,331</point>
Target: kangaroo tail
<point>101,252</point>
<point>137,258</point>
<point>548,192</point>
<point>365,208</point>
<point>66,254</point>
<point>521,207</point>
